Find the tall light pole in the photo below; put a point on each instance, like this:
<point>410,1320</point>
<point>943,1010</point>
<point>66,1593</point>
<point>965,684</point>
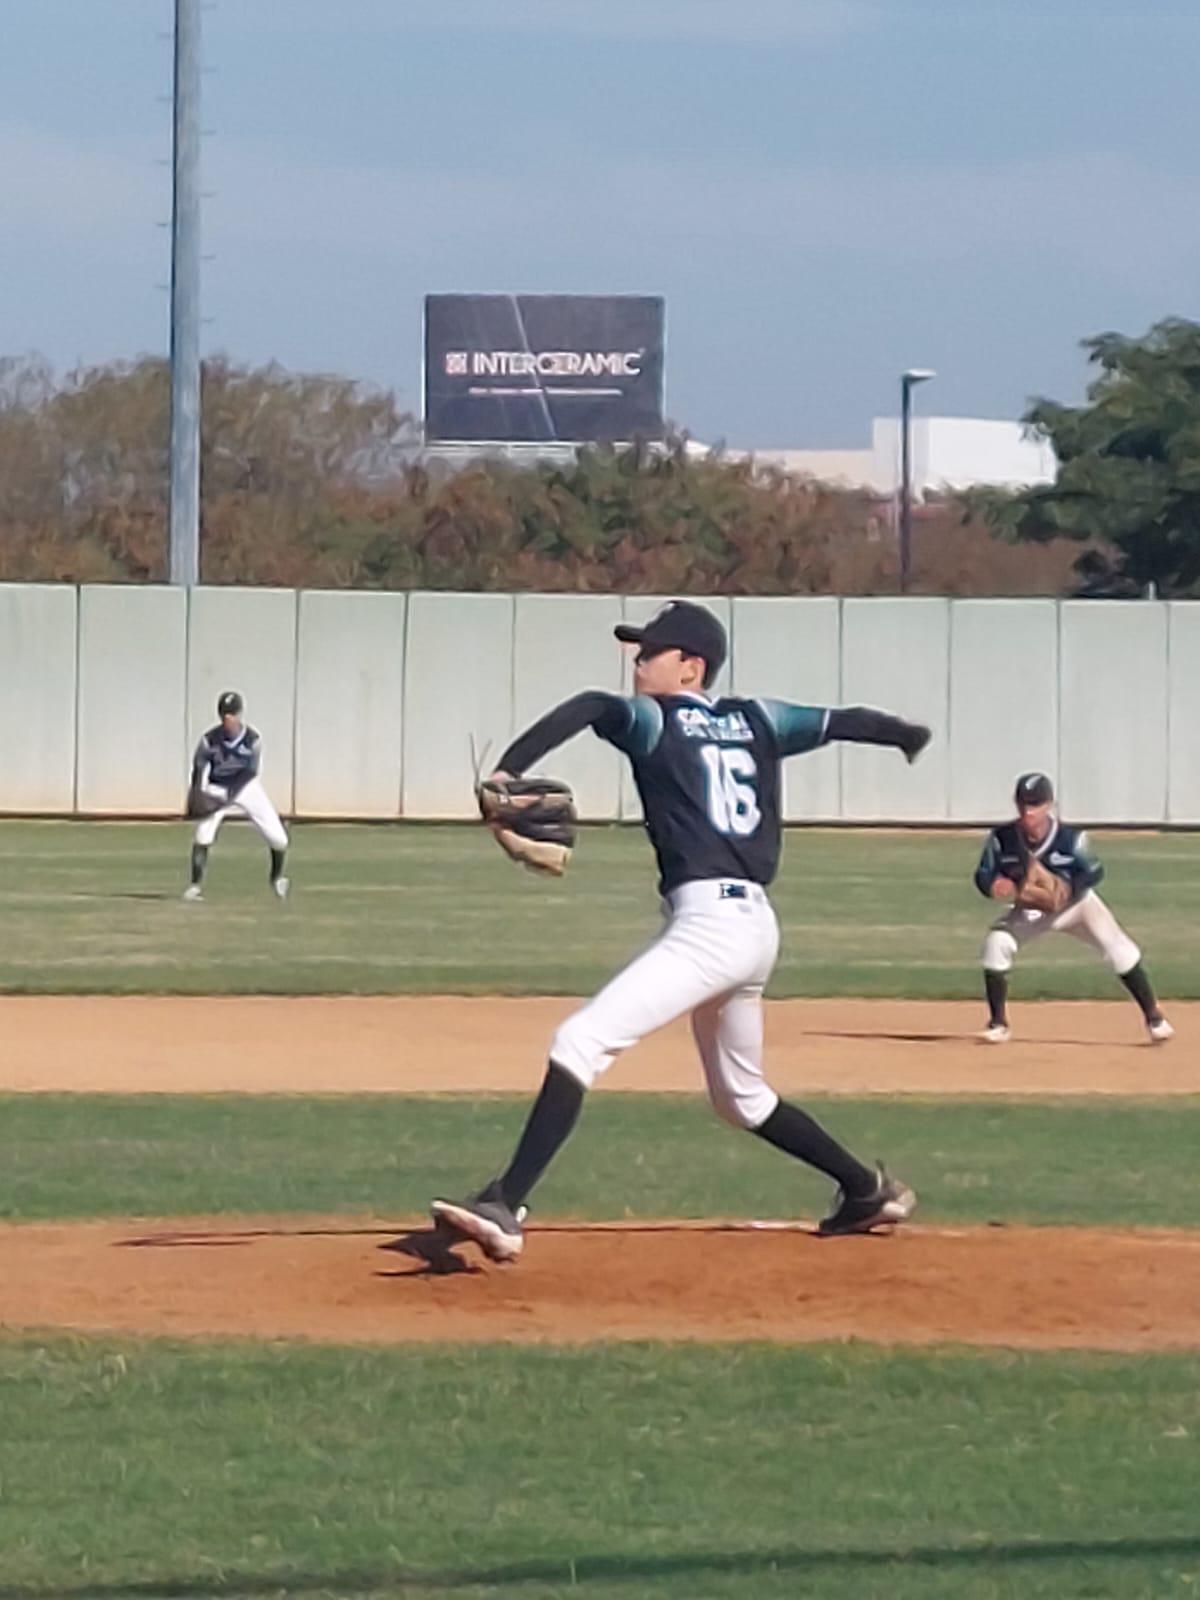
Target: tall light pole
<point>184,525</point>
<point>908,381</point>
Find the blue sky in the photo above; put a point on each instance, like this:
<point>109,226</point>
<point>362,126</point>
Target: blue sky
<point>826,191</point>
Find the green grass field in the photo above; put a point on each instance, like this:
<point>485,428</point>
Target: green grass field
<point>131,1470</point>
<point>134,1470</point>
<point>636,1155</point>
<point>419,909</point>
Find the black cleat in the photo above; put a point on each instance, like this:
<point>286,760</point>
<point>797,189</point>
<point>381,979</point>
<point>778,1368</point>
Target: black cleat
<point>488,1222</point>
<point>891,1202</point>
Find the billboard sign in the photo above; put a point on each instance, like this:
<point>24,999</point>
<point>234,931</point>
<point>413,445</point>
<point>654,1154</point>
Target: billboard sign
<point>532,367</point>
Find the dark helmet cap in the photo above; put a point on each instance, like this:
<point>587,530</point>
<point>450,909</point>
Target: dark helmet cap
<point>681,625</point>
<point>1033,789</point>
<point>230,704</point>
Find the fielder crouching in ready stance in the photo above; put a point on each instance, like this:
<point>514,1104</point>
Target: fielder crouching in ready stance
<point>225,783</point>
<point>707,771</point>
<point>1045,868</point>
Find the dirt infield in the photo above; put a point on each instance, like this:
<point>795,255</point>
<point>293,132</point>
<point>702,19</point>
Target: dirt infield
<point>343,1045</point>
<point>1047,1288</point>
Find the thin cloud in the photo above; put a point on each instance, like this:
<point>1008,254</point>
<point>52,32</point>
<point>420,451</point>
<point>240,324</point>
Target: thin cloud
<point>72,187</point>
<point>748,21</point>
<point>757,21</point>
<point>965,215</point>
<point>106,198</point>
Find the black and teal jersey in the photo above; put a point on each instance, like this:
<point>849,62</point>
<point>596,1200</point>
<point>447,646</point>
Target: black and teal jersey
<point>707,770</point>
<point>227,760</point>
<point>1064,851</point>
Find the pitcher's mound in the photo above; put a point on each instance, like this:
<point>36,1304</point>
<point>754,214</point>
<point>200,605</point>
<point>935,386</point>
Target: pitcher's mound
<point>1048,1288</point>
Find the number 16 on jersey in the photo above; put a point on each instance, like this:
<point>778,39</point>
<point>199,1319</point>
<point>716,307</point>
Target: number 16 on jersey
<point>732,800</point>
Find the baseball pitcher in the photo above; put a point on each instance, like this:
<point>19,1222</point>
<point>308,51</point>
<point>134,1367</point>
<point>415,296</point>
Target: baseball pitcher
<point>1046,872</point>
<point>707,770</point>
<point>226,783</point>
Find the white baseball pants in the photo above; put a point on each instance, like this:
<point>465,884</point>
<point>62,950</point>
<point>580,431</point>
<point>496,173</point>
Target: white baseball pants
<point>712,959</point>
<point>252,803</point>
<point>1088,919</point>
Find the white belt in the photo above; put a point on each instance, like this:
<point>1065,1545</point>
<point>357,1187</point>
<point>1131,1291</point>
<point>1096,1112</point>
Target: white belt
<point>705,893</point>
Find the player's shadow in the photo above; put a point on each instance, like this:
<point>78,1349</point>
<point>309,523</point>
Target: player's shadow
<point>1010,1559</point>
<point>202,1238</point>
<point>878,1033</point>
<point>431,1247</point>
<point>424,1242</point>
<point>881,1035</point>
<point>122,894</point>
<point>434,1251</point>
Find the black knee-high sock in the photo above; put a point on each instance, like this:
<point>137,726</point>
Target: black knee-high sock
<point>1137,981</point>
<point>790,1129</point>
<point>996,985</point>
<point>277,860</point>
<point>199,861</point>
<point>553,1116</point>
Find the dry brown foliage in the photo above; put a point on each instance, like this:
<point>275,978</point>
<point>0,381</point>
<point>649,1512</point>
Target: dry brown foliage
<point>315,482</point>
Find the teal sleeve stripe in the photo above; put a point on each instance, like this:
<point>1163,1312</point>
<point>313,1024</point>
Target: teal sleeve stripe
<point>798,729</point>
<point>643,728</point>
<point>985,872</point>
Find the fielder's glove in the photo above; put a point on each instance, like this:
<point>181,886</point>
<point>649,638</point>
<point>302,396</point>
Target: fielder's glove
<point>202,802</point>
<point>1042,890</point>
<point>533,819</point>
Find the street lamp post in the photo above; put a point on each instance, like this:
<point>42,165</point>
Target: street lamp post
<point>908,381</point>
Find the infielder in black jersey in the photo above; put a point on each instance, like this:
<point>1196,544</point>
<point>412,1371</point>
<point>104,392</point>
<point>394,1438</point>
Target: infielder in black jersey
<point>226,782</point>
<point>1038,835</point>
<point>707,771</point>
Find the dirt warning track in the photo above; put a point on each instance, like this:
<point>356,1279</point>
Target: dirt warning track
<point>450,1044</point>
<point>333,1280</point>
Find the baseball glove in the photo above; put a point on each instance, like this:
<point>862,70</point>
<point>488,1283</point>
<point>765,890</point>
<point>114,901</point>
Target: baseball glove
<point>533,819</point>
<point>203,802</point>
<point>1042,890</point>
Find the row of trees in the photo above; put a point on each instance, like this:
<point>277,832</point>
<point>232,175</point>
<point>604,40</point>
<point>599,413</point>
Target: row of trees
<point>316,481</point>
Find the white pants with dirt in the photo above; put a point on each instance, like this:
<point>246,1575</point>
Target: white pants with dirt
<point>1088,918</point>
<point>712,959</point>
<point>254,804</point>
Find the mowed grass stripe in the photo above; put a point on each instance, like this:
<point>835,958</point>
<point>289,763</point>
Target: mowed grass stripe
<point>1102,1163</point>
<point>94,907</point>
<point>144,1469</point>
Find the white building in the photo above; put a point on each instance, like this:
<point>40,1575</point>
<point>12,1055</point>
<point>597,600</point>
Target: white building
<point>948,453</point>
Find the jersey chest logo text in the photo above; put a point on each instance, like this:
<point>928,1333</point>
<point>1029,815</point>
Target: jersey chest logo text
<point>696,723</point>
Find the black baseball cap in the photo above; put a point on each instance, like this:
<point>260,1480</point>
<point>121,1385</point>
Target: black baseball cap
<point>680,625</point>
<point>230,704</point>
<point>1034,789</point>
